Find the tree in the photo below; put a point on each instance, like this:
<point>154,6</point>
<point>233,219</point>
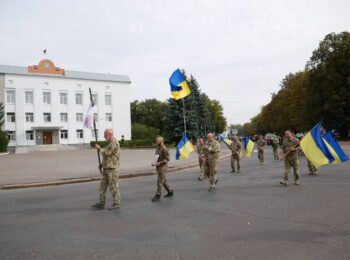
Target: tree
<point>141,132</point>
<point>328,94</point>
<point>2,115</point>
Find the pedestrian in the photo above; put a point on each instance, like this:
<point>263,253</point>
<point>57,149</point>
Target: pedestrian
<point>212,148</point>
<point>290,147</point>
<point>236,149</point>
<point>200,152</point>
<point>275,145</point>
<point>312,169</point>
<point>162,154</point>
<point>261,149</point>
<point>110,171</point>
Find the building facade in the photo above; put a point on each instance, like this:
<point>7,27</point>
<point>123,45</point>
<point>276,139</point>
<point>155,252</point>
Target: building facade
<point>45,104</point>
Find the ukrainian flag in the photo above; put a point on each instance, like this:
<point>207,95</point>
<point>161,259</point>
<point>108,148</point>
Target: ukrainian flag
<point>248,146</point>
<point>178,85</point>
<point>334,148</point>
<point>184,148</point>
<point>225,140</point>
<point>315,148</point>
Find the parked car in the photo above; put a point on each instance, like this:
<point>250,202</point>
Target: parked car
<point>269,138</point>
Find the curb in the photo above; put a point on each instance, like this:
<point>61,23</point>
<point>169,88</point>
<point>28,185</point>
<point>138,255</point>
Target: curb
<point>4,153</point>
<point>91,179</point>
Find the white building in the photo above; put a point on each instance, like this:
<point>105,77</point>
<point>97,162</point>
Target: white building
<point>47,105</point>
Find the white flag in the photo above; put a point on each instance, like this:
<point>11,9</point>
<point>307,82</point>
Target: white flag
<point>89,119</point>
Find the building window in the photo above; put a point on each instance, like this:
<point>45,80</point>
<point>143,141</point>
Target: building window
<point>64,117</point>
<point>93,133</point>
<point>80,134</point>
<point>64,134</point>
<point>108,100</point>
<point>29,97</point>
<point>47,117</point>
<point>95,117</point>
<point>11,117</point>
<point>10,96</point>
<point>63,98</point>
<point>29,117</point>
<point>11,135</point>
<point>109,117</point>
<point>94,99</point>
<point>78,98</point>
<point>79,117</point>
<point>29,135</point>
<point>47,98</point>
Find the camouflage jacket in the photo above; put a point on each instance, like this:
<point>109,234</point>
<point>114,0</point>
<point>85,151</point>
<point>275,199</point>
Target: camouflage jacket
<point>200,149</point>
<point>275,142</point>
<point>236,146</point>
<point>111,155</point>
<point>163,153</point>
<point>287,145</point>
<point>261,144</point>
<point>213,150</point>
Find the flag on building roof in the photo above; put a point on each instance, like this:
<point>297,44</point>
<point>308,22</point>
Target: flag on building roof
<point>178,85</point>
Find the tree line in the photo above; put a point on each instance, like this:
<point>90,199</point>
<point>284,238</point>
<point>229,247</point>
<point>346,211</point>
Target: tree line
<point>203,115</point>
<point>320,92</point>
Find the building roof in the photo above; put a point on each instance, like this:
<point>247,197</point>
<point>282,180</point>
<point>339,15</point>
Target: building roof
<point>18,70</point>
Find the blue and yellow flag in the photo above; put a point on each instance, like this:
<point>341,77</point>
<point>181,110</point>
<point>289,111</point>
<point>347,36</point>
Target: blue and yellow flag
<point>225,140</point>
<point>178,85</point>
<point>334,148</point>
<point>315,148</point>
<point>248,146</point>
<point>184,148</point>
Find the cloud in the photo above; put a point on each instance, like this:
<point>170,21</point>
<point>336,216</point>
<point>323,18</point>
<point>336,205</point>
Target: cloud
<point>238,51</point>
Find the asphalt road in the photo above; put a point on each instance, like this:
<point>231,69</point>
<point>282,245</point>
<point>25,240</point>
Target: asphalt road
<point>249,216</point>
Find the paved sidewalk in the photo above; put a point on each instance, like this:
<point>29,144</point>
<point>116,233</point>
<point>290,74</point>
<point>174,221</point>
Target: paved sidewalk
<point>59,165</point>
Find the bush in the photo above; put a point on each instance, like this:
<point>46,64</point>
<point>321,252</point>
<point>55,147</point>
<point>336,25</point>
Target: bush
<point>3,142</point>
<point>143,132</point>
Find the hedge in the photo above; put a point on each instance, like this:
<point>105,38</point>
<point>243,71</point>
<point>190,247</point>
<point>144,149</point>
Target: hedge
<point>3,142</point>
<point>128,143</point>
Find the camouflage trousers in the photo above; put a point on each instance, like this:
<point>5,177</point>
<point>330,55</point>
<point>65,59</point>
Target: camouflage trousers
<point>291,163</point>
<point>275,152</point>
<point>162,181</point>
<point>201,168</point>
<point>213,171</point>
<point>110,179</point>
<point>261,156</point>
<point>312,169</point>
<point>235,160</point>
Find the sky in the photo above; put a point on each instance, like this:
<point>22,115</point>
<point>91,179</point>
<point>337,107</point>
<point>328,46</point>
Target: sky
<point>238,50</point>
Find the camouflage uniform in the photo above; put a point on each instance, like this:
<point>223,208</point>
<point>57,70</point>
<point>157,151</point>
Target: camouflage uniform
<point>213,158</point>
<point>312,169</point>
<point>200,151</point>
<point>275,144</point>
<point>110,173</point>
<point>291,159</point>
<point>236,148</point>
<point>163,153</point>
<point>261,146</point>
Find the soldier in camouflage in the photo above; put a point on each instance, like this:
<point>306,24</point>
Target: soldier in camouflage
<point>275,144</point>
<point>312,169</point>
<point>200,152</point>
<point>110,173</point>
<point>212,150</point>
<point>162,153</point>
<point>290,147</point>
<point>236,149</point>
<point>261,149</point>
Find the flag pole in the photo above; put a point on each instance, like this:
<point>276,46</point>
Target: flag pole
<point>184,113</point>
<point>98,153</point>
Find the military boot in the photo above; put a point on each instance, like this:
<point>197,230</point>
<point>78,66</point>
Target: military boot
<point>98,206</point>
<point>114,207</point>
<point>170,193</point>
<point>297,182</point>
<point>156,198</point>
<point>283,182</point>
